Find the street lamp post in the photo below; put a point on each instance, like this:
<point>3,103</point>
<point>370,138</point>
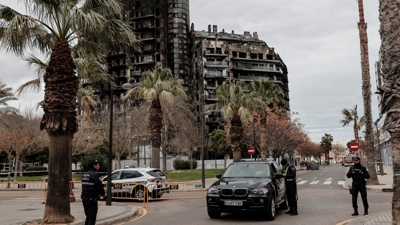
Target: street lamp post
<point>379,147</point>
<point>125,87</point>
<point>203,176</point>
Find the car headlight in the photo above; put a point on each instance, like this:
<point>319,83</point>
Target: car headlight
<point>213,190</point>
<point>259,191</point>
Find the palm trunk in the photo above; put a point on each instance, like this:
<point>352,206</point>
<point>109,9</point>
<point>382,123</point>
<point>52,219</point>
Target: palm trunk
<point>156,124</point>
<point>236,132</point>
<point>390,21</point>
<point>59,119</point>
<point>366,92</point>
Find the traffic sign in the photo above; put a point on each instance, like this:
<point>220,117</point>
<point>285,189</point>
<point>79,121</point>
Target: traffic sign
<point>250,150</point>
<point>354,146</point>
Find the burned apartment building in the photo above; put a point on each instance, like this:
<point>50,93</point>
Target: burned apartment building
<point>220,57</point>
<point>202,59</point>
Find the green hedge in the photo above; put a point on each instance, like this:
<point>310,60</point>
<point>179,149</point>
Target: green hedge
<point>100,157</point>
<point>36,168</point>
<point>180,164</point>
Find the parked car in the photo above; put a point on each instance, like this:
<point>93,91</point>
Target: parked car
<point>153,179</point>
<point>305,165</point>
<point>248,186</point>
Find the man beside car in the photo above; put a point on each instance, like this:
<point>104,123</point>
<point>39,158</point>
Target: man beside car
<point>289,173</point>
<point>92,189</point>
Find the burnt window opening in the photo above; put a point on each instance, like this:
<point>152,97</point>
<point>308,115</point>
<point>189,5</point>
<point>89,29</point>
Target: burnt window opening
<point>175,15</point>
<point>253,56</point>
<point>137,4</point>
<point>234,54</point>
<point>158,57</point>
<point>219,51</point>
<point>270,57</point>
<point>210,50</point>
<point>157,1</point>
<point>157,23</point>
<point>157,11</point>
<point>175,5</point>
<point>260,56</point>
<point>158,46</point>
<point>242,55</point>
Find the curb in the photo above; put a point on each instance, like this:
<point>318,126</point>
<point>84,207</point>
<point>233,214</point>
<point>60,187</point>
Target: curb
<point>365,219</point>
<point>127,215</point>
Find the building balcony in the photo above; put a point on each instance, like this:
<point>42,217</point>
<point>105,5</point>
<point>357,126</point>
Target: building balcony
<point>216,64</point>
<point>136,73</point>
<point>258,68</point>
<point>214,75</point>
<point>147,39</point>
<point>150,16</point>
<point>118,66</point>
<point>212,97</point>
<point>208,86</point>
<point>257,60</point>
<point>116,55</point>
<point>215,53</point>
<point>215,120</point>
<point>145,27</point>
<point>143,63</point>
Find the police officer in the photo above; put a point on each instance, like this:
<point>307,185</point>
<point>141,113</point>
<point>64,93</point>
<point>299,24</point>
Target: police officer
<point>289,173</point>
<point>359,174</point>
<point>92,188</point>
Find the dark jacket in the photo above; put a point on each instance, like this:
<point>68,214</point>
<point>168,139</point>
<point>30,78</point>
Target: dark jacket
<point>359,174</point>
<point>290,172</point>
<point>91,185</point>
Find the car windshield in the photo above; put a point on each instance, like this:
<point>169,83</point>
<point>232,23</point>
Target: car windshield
<point>155,173</point>
<point>248,170</point>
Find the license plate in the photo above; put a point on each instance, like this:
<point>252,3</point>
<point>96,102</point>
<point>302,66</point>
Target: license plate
<point>234,203</point>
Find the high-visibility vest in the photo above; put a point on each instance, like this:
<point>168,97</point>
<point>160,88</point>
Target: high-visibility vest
<point>285,172</point>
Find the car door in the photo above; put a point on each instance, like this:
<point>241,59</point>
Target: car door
<point>278,182</point>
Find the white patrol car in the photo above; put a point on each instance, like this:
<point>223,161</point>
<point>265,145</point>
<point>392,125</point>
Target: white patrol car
<point>125,182</point>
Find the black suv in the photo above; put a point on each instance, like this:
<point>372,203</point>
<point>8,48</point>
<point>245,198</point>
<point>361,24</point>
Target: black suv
<point>248,186</point>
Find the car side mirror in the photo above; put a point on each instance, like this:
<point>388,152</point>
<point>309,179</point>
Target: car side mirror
<point>218,176</point>
<point>278,176</point>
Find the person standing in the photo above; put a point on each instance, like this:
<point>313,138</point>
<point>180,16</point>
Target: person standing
<point>289,173</point>
<point>92,188</point>
<point>359,173</point>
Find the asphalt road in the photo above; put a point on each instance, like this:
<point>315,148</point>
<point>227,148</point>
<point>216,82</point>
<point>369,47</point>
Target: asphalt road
<point>322,200</point>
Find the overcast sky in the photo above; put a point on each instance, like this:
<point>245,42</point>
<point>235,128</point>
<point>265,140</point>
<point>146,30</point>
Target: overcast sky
<point>317,40</point>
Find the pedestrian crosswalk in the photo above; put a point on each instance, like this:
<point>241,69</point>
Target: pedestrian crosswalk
<point>324,182</point>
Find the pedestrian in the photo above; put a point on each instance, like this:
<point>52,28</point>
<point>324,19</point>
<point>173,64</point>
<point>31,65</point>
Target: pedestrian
<point>359,175</point>
<point>289,173</point>
<point>92,188</point>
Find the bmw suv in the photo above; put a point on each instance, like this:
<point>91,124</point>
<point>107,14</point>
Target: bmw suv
<point>248,186</point>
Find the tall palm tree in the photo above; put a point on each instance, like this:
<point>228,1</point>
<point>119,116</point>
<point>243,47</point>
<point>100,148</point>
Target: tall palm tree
<point>389,32</point>
<point>366,92</point>
<point>52,27</point>
<point>156,85</point>
<point>234,106</point>
<point>351,115</point>
<point>271,94</point>
<point>5,96</point>
<point>326,144</point>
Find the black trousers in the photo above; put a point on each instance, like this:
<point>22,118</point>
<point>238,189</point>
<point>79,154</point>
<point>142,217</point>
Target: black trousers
<point>90,206</point>
<point>363,191</point>
<point>291,193</point>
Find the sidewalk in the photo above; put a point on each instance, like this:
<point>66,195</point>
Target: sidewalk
<point>381,218</point>
<point>18,211</point>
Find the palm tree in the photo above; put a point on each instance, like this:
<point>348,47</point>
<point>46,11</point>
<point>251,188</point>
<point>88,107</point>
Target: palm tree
<point>390,21</point>
<point>235,105</point>
<point>52,27</point>
<point>5,96</point>
<point>351,115</point>
<point>271,94</point>
<point>366,92</point>
<point>326,144</point>
<point>156,86</point>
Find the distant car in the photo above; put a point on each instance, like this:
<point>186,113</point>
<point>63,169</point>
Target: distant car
<point>153,179</point>
<point>248,186</point>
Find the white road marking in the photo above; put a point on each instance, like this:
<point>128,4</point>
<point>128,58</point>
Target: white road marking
<point>328,182</point>
<point>302,182</point>
<point>315,182</point>
<point>340,182</point>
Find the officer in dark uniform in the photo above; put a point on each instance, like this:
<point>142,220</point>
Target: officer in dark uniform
<point>289,172</point>
<point>359,174</point>
<point>92,188</point>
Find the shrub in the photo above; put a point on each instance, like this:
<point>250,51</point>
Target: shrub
<point>180,164</point>
<point>36,168</point>
<point>100,157</point>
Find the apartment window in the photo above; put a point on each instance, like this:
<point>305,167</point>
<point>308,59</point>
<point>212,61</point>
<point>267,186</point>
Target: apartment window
<point>175,5</point>
<point>157,1</point>
<point>175,15</point>
<point>157,11</point>
<point>157,23</point>
<point>158,57</point>
<point>158,46</point>
<point>242,55</point>
<point>219,51</point>
<point>269,57</point>
<point>253,56</point>
<point>152,23</point>
<point>260,56</point>
<point>137,3</point>
<point>234,54</point>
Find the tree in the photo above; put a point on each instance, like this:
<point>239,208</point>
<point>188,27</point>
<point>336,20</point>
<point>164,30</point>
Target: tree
<point>351,115</point>
<point>5,96</point>
<point>326,144</point>
<point>51,27</point>
<point>389,32</point>
<point>366,93</point>
<point>271,94</point>
<point>219,144</point>
<point>156,86</point>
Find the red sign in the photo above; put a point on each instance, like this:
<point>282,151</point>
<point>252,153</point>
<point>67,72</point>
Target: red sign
<point>251,150</point>
<point>354,146</point>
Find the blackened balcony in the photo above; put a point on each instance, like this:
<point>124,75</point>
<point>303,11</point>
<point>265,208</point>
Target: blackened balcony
<point>216,64</point>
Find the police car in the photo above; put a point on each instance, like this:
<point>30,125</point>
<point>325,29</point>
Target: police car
<point>133,182</point>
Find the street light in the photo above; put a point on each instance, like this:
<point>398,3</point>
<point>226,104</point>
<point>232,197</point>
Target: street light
<point>379,147</point>
<point>125,86</point>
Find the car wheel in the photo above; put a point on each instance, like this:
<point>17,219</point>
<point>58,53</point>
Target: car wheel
<point>271,209</point>
<point>140,193</point>
<point>155,194</point>
<point>213,214</point>
<point>284,204</point>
